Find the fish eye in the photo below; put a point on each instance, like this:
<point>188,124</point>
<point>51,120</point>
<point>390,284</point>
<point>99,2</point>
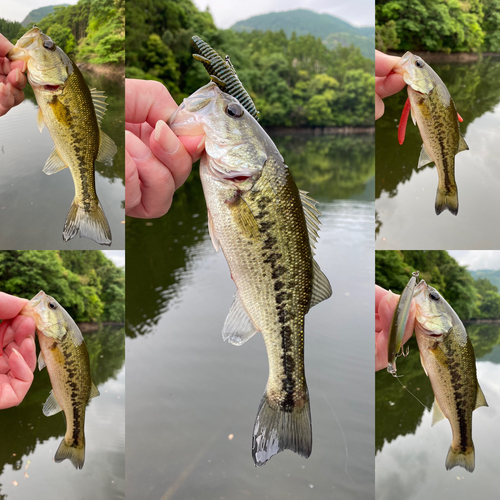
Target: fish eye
<point>49,44</point>
<point>419,63</point>
<point>52,305</point>
<point>234,110</point>
<point>434,295</point>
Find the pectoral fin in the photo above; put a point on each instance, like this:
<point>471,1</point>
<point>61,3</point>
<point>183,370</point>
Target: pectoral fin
<point>51,406</point>
<point>211,232</point>
<point>437,413</point>
<point>238,327</point>
<point>54,163</point>
<point>39,120</point>
<point>424,158</point>
<point>41,361</point>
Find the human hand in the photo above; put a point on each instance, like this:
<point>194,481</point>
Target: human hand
<point>157,162</point>
<point>386,83</point>
<point>12,78</point>
<point>18,360</point>
<point>385,305</point>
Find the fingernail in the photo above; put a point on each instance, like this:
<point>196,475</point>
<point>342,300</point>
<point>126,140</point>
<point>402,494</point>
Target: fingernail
<point>167,140</point>
<point>201,145</point>
<point>17,75</point>
<point>135,147</point>
<point>4,90</point>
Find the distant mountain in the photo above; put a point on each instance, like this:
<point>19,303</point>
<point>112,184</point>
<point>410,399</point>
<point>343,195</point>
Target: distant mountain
<point>330,29</point>
<point>492,276</point>
<point>38,14</point>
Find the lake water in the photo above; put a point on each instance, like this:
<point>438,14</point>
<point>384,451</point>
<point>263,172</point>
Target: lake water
<point>195,397</point>
<point>30,439</point>
<point>405,215</point>
<point>410,454</point>
<point>33,205</point>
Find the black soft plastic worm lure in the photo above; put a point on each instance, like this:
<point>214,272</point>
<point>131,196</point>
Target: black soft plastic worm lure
<point>222,73</point>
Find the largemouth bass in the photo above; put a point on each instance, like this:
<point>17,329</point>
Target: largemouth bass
<point>73,115</point>
<point>434,111</point>
<point>266,229</point>
<point>448,359</point>
<point>398,325</point>
<point>64,353</point>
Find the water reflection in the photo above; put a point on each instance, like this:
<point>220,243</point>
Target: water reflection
<point>191,390</point>
<point>405,195</point>
<point>411,454</point>
<point>33,206</point>
<point>30,439</point>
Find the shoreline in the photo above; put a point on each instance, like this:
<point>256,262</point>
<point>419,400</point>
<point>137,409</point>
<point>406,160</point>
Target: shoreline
<point>481,321</point>
<point>280,131</point>
<point>111,71</point>
<point>459,57</point>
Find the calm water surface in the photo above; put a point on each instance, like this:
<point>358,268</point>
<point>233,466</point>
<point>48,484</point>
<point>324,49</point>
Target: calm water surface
<point>411,454</point>
<point>27,469</point>
<point>33,205</point>
<point>405,215</point>
<point>195,397</point>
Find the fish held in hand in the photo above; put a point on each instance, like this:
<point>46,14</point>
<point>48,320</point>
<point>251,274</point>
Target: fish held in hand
<point>72,113</point>
<point>448,359</point>
<point>434,111</point>
<point>64,353</point>
<point>267,230</point>
<point>398,325</point>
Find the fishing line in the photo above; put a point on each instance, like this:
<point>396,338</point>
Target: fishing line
<point>408,390</point>
<point>345,441</point>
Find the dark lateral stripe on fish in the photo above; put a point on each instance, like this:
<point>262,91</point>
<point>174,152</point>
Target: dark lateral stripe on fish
<point>216,66</point>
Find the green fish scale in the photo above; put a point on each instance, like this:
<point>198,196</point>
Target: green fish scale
<point>273,274</point>
<point>72,122</point>
<point>219,68</point>
<point>455,381</point>
<point>440,127</point>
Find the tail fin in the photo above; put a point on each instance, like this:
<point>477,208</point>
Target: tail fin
<point>91,224</point>
<point>276,429</point>
<point>75,453</point>
<point>447,199</point>
<point>465,459</point>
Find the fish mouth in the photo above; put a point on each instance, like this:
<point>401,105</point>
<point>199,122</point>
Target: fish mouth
<point>37,298</point>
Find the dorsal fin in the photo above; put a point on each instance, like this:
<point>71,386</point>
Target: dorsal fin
<point>100,105</point>
<point>311,213</point>
<point>322,289</point>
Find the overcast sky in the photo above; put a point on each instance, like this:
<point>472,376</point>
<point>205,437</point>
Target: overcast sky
<point>225,14</point>
<point>17,10</point>
<point>117,256</point>
<point>356,12</point>
<point>477,259</point>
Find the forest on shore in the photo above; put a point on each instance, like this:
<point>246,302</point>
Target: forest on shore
<point>294,81</point>
<point>438,25</point>
<point>91,31</point>
<point>86,283</point>
<point>471,299</point>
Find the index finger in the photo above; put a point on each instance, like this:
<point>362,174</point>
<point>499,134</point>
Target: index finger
<point>5,46</point>
<point>384,63</point>
<point>10,306</point>
<point>147,101</point>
